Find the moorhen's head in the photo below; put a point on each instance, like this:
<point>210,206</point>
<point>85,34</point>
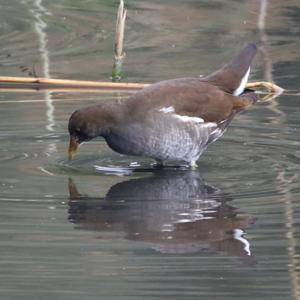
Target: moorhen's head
<point>84,125</point>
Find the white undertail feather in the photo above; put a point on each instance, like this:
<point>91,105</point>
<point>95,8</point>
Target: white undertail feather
<point>242,85</point>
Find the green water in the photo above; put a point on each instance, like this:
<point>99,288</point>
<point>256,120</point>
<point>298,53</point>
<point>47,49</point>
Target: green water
<point>229,230</point>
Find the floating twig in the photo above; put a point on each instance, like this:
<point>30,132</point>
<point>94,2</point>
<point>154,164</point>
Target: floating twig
<point>272,90</point>
<point>265,85</point>
<point>40,83</point>
<point>29,83</point>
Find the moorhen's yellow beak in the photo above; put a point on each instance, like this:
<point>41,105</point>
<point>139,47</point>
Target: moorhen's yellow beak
<point>73,146</point>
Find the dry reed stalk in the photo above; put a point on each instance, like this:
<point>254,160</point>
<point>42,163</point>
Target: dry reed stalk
<point>51,82</point>
<point>42,83</point>
<point>119,38</point>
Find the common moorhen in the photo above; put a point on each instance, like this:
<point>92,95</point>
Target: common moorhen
<point>169,120</point>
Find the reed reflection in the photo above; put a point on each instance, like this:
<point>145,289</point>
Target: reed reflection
<point>174,211</point>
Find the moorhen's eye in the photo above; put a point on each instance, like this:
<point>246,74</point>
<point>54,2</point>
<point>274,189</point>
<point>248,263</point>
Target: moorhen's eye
<point>77,132</point>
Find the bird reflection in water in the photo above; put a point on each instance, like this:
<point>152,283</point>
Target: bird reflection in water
<point>174,211</point>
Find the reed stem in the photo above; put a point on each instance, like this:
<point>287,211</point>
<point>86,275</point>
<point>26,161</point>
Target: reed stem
<point>119,54</point>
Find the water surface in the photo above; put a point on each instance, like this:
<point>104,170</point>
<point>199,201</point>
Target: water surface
<point>228,230</point>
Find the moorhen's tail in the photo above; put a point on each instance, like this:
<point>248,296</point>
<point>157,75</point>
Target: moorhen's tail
<point>233,77</point>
